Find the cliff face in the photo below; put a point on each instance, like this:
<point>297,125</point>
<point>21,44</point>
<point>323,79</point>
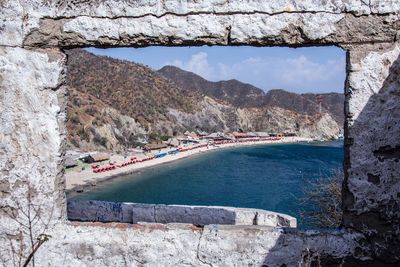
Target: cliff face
<point>215,116</point>
<point>117,104</point>
<point>276,119</point>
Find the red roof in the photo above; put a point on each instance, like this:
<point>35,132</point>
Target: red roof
<point>240,134</point>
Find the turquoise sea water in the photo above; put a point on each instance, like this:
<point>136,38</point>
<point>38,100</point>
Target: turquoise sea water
<point>270,177</point>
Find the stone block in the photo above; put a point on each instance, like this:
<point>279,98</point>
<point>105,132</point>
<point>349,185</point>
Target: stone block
<point>126,212</point>
<point>142,212</point>
<point>95,211</point>
<point>194,215</point>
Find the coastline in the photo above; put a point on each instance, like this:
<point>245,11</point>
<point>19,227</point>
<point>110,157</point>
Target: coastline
<point>77,182</point>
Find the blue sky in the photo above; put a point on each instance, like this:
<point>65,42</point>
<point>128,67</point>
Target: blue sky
<point>300,70</point>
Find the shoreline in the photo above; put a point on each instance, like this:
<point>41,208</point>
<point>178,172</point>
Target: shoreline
<point>77,183</point>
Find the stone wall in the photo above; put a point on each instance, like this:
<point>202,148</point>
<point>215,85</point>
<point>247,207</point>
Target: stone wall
<point>33,35</point>
<point>101,211</point>
<point>372,185</point>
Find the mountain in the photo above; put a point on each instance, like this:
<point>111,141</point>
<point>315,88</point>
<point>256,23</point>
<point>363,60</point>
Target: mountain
<point>132,89</point>
<point>245,95</point>
<point>332,103</point>
<point>115,104</point>
<point>232,91</point>
<point>94,125</point>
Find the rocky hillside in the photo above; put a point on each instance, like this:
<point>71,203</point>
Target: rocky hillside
<point>232,91</point>
<point>133,89</point>
<point>245,95</point>
<point>115,104</point>
<point>94,125</point>
<point>333,103</point>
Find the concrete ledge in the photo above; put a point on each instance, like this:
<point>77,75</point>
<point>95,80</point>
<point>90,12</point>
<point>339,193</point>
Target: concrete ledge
<point>197,215</point>
<point>101,211</point>
<point>262,217</point>
<point>95,211</point>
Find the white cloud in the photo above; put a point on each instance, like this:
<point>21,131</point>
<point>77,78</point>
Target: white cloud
<point>298,73</point>
<point>292,73</point>
<point>177,63</point>
<point>302,71</point>
<point>198,64</point>
<point>299,70</point>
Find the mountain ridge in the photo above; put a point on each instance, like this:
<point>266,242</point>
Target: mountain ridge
<point>252,96</point>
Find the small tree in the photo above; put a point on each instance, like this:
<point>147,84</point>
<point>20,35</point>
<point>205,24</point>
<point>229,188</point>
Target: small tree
<point>323,199</point>
<point>32,227</point>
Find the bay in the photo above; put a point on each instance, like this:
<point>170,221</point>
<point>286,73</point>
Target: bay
<point>270,177</point>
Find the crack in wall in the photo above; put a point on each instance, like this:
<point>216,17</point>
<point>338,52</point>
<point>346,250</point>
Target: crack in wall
<point>368,5</point>
<point>154,214</point>
<point>198,248</point>
<point>51,33</point>
<point>284,11</point>
<point>196,13</point>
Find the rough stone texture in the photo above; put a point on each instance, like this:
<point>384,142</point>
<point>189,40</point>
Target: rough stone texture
<point>72,23</point>
<point>96,244</point>
<point>193,215</point>
<point>262,217</point>
<point>220,246</point>
<point>101,211</point>
<point>32,100</point>
<point>291,29</point>
<point>30,142</point>
<point>372,196</point>
<point>30,135</point>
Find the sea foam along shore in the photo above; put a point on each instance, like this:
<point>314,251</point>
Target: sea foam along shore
<point>87,178</point>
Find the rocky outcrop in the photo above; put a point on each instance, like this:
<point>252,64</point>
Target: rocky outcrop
<point>275,119</point>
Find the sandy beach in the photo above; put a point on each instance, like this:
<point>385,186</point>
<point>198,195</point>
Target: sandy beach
<point>76,178</point>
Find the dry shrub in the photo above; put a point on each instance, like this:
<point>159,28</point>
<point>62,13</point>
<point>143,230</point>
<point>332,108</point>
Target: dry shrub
<point>323,199</point>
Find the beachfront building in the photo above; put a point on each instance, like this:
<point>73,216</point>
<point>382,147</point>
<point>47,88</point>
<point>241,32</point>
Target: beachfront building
<point>70,162</point>
<point>201,133</point>
<point>154,146</point>
<point>173,142</point>
<point>237,135</point>
<point>188,138</point>
<point>262,134</point>
<point>217,137</point>
<point>191,135</point>
<point>289,133</point>
<point>96,157</point>
<point>273,134</point>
